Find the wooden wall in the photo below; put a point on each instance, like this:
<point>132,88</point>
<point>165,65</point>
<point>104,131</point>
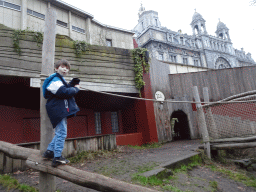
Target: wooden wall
<point>178,87</point>
<point>221,83</point>
<point>106,68</point>
<point>159,72</point>
<point>71,148</point>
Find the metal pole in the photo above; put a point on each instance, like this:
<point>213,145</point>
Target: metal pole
<point>202,123</point>
<point>47,182</point>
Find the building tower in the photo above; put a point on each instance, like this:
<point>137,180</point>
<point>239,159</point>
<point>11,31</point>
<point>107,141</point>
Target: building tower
<point>222,31</point>
<point>146,19</point>
<point>198,24</point>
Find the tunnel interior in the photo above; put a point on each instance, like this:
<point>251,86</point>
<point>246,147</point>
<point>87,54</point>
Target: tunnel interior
<point>181,128</point>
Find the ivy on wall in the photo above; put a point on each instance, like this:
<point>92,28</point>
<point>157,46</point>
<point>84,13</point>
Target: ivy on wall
<point>80,46</point>
<point>141,63</point>
<point>16,41</point>
<point>20,34</point>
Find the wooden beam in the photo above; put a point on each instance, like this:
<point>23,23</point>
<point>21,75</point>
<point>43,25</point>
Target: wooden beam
<point>83,178</point>
<point>15,151</point>
<point>79,177</point>
<point>238,139</point>
<point>234,146</point>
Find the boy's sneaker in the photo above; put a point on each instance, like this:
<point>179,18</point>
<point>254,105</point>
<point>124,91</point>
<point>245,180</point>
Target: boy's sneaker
<point>59,161</point>
<point>48,154</point>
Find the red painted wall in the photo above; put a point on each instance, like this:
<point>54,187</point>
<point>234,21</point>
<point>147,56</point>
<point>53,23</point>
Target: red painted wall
<point>135,44</point>
<point>129,139</point>
<point>11,124</point>
<point>145,116</point>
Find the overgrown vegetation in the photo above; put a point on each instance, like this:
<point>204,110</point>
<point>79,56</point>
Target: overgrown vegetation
<point>141,63</point>
<point>171,182</point>
<point>38,37</point>
<point>11,183</point>
<point>160,180</point>
<point>147,146</point>
<point>80,46</point>
<point>17,36</point>
<point>16,40</point>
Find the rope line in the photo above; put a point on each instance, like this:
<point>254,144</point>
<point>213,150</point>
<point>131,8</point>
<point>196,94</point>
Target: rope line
<point>167,101</point>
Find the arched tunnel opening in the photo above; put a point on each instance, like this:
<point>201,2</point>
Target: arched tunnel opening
<point>180,127</point>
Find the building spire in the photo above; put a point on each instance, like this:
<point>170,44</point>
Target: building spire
<point>141,9</point>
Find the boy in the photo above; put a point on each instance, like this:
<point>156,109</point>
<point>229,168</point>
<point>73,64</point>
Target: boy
<point>60,105</point>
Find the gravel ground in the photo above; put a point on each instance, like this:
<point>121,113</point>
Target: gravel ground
<point>129,161</point>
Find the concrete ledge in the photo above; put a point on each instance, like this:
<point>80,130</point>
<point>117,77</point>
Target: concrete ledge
<point>179,161</point>
<point>168,165</point>
<point>152,172</point>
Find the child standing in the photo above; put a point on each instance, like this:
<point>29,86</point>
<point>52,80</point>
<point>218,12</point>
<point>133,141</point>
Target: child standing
<point>60,105</point>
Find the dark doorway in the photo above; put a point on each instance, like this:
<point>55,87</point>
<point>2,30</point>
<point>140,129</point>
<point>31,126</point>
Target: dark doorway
<point>181,128</point>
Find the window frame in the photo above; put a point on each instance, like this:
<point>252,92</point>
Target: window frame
<point>114,122</point>
<point>97,118</point>
<point>109,40</point>
<point>35,15</point>
<point>61,23</point>
<point>3,5</point>
<point>74,28</point>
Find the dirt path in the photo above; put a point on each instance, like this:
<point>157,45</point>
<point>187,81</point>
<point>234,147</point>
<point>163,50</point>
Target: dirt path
<point>130,161</point>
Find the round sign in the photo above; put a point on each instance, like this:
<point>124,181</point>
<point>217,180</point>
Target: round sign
<point>159,96</point>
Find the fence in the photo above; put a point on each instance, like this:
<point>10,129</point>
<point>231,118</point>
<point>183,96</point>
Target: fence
<point>229,120</point>
<point>72,147</point>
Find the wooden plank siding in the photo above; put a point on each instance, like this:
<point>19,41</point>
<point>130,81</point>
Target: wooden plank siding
<point>71,148</point>
<point>99,64</point>
<point>221,84</point>
<point>178,87</point>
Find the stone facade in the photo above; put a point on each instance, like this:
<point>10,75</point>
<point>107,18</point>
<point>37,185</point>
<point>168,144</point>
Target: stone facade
<point>199,49</point>
<point>71,21</point>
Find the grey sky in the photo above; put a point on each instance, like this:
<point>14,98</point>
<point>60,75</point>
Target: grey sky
<point>238,16</point>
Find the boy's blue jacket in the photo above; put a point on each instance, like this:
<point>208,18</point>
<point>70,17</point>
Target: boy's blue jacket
<point>60,100</point>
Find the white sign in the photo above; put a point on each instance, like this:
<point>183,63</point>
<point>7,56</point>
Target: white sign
<point>159,96</point>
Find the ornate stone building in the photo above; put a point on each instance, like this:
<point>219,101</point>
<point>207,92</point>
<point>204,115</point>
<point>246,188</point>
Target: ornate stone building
<point>199,49</point>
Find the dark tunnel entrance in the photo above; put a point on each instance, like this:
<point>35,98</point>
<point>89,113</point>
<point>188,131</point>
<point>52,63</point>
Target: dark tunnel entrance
<point>181,128</point>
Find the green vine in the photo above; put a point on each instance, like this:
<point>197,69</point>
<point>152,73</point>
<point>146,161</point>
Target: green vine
<point>140,64</point>
<point>38,37</point>
<point>16,36</point>
<point>16,40</point>
<point>80,46</point>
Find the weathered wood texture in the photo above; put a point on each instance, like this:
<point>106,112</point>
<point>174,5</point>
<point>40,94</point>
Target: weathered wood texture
<point>159,82</point>
<point>159,76</point>
<point>178,87</point>
<point>71,148</point>
<point>221,83</point>
<point>84,178</point>
<point>98,64</point>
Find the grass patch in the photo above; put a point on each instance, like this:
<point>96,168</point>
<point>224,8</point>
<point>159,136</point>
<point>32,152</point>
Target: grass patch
<point>147,146</point>
<point>234,174</point>
<point>214,185</point>
<point>239,176</point>
<point>194,161</point>
<point>11,183</point>
<point>91,155</point>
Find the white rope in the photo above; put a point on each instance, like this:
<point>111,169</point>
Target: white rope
<point>167,101</point>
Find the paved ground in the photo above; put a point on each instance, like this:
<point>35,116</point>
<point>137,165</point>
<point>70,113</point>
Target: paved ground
<point>129,161</point>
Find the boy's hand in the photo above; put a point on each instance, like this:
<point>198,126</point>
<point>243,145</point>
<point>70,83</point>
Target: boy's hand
<point>74,81</point>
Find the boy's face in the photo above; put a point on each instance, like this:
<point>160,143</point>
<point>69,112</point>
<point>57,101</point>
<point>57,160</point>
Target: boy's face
<point>63,70</point>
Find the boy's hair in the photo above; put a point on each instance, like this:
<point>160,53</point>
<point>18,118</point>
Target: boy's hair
<point>61,62</point>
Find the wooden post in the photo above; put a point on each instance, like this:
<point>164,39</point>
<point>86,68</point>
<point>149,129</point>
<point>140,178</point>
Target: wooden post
<point>202,123</point>
<point>47,181</point>
<point>212,125</point>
